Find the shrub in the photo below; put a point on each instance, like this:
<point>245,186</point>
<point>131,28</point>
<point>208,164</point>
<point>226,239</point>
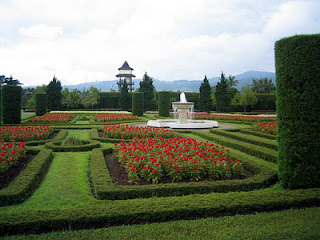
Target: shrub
<point>298,110</point>
<point>137,103</point>
<point>11,104</point>
<point>163,104</point>
<point>71,141</point>
<point>41,104</point>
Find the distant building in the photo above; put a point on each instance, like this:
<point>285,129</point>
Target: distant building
<point>125,74</point>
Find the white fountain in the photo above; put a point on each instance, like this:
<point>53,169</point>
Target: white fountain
<point>184,111</point>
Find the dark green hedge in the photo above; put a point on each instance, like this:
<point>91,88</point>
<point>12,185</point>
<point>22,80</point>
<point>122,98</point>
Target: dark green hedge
<point>41,104</point>
<point>61,135</point>
<point>265,102</point>
<point>103,188</point>
<point>164,104</point>
<point>252,149</point>
<point>137,103</point>
<point>11,104</point>
<point>298,110</point>
<point>257,133</point>
<point>28,180</point>
<point>87,146</point>
<point>110,99</point>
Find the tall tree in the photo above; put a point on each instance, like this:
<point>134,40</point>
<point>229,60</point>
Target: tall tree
<point>247,97</point>
<point>54,95</point>
<point>205,101</point>
<point>91,97</point>
<point>75,98</point>
<point>146,86</point>
<point>124,100</point>
<point>232,81</point>
<point>262,85</point>
<point>222,96</point>
<point>66,99</point>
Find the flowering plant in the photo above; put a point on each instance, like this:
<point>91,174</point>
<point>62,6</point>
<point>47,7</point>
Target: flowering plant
<point>270,127</point>
<point>178,158</point>
<point>115,117</point>
<point>25,133</point>
<point>124,131</point>
<point>53,118</point>
<point>10,153</point>
<point>235,117</point>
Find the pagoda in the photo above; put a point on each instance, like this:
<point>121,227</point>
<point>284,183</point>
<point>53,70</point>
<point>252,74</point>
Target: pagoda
<point>125,74</point>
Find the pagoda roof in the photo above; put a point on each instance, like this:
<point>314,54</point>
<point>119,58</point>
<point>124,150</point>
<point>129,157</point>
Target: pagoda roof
<point>125,66</point>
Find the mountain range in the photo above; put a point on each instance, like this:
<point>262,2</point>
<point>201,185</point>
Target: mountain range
<point>176,85</point>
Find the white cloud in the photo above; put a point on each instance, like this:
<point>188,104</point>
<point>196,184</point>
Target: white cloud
<point>82,39</point>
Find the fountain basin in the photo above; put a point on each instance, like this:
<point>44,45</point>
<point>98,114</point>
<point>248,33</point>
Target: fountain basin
<point>190,124</point>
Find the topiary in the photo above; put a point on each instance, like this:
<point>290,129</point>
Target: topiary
<point>71,141</point>
<point>41,104</point>
<point>11,104</point>
<point>137,103</point>
<point>164,104</point>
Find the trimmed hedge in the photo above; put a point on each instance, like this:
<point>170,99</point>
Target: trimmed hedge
<point>156,210</point>
<point>137,103</point>
<point>258,151</point>
<point>163,104</point>
<point>95,136</point>
<point>268,143</point>
<point>11,104</point>
<point>28,180</point>
<point>298,110</point>
<point>87,146</point>
<point>61,135</point>
<point>41,104</point>
<point>265,102</point>
<point>104,188</point>
<point>257,133</point>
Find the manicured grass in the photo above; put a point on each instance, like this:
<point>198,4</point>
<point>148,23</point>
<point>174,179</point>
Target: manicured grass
<point>288,224</point>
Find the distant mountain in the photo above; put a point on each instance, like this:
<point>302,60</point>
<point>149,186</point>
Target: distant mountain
<point>182,85</point>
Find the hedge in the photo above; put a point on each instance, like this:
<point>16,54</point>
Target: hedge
<point>95,136</point>
<point>41,104</point>
<point>163,104</point>
<point>258,151</point>
<point>156,210</point>
<point>87,146</point>
<point>265,102</point>
<point>257,140</point>
<point>298,110</point>
<point>61,135</point>
<point>257,133</point>
<point>11,104</point>
<point>137,103</point>
<point>103,188</point>
<point>28,180</point>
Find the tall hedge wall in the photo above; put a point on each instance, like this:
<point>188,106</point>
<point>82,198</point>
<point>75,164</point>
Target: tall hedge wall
<point>298,110</point>
<point>265,102</point>
<point>164,104</point>
<point>110,99</point>
<point>41,103</point>
<point>11,104</point>
<point>137,103</point>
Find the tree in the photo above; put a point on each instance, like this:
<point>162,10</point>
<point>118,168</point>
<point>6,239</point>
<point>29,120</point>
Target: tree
<point>75,98</point>
<point>222,96</point>
<point>66,99</point>
<point>54,95</point>
<point>91,97</point>
<point>124,97</point>
<point>146,86</point>
<point>262,85</point>
<point>232,81</point>
<point>31,103</point>
<point>247,97</point>
<point>205,101</point>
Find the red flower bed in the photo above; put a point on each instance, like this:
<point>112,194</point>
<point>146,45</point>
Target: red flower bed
<point>53,118</point>
<point>10,153</point>
<point>25,133</point>
<point>178,158</point>
<point>235,117</point>
<point>115,117</point>
<point>270,128</point>
<point>128,132</point>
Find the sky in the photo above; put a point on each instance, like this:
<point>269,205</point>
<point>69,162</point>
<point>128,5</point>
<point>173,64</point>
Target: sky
<point>88,40</point>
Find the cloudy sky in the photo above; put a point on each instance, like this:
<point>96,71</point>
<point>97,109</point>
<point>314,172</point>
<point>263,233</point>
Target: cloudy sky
<point>88,40</point>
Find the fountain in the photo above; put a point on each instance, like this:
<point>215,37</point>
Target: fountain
<point>184,110</point>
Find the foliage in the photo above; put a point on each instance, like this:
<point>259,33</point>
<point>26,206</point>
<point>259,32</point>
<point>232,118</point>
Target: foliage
<point>71,141</point>
<point>223,100</point>
<point>66,99</point>
<point>10,153</point>
<point>163,103</point>
<point>124,100</point>
<point>54,95</point>
<point>270,128</point>
<point>298,110</point>
<point>41,103</point>
<point>91,98</point>
<point>52,118</point>
<point>109,99</point>
<point>31,103</point>
<point>205,101</point>
<point>262,85</point>
<point>25,133</point>
<point>115,117</point>
<point>147,87</point>
<point>138,103</point>
<point>235,117</point>
<point>11,104</point>
<point>75,98</point>
<point>178,158</point>
<point>232,81</point>
<point>247,97</point>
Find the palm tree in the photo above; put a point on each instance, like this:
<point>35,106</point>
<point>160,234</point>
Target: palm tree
<point>232,81</point>
<point>262,85</point>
